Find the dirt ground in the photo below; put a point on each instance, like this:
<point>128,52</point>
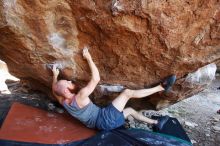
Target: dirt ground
<point>197,114</point>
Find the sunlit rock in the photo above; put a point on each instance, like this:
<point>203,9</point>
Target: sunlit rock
<point>134,43</point>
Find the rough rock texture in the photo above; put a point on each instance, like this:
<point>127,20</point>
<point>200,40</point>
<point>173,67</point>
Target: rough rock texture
<point>134,43</point>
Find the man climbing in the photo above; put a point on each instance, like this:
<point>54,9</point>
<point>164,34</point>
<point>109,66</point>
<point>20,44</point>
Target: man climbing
<point>79,105</point>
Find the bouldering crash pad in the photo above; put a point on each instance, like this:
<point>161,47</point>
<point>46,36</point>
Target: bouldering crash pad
<point>30,124</point>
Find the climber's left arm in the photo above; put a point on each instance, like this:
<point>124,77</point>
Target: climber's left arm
<point>89,88</point>
<point>56,72</point>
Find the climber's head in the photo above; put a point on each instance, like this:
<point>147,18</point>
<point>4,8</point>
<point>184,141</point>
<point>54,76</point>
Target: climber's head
<point>64,88</point>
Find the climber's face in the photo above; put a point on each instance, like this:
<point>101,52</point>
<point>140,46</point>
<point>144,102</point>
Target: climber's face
<point>64,88</point>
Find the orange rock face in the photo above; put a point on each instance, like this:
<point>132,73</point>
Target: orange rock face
<point>133,43</point>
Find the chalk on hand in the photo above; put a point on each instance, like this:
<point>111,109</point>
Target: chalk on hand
<point>85,49</point>
<point>50,66</point>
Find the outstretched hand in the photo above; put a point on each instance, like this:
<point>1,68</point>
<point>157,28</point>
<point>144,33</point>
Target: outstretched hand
<point>86,53</point>
<point>55,70</point>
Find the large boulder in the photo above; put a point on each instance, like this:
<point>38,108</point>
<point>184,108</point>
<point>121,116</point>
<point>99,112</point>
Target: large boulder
<point>134,43</point>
